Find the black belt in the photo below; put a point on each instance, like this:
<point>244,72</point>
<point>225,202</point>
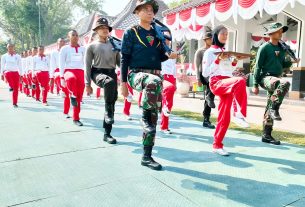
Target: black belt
<point>103,69</point>
<point>150,71</point>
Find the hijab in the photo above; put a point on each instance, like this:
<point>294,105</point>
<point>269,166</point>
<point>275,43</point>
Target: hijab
<point>215,32</point>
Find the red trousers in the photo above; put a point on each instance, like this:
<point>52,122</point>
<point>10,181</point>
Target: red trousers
<point>56,81</point>
<point>75,87</point>
<point>41,79</point>
<point>25,81</point>
<point>227,88</point>
<point>127,104</point>
<point>31,82</point>
<point>169,88</point>
<point>13,80</point>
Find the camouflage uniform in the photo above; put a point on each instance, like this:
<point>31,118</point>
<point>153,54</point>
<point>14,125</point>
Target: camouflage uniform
<point>276,89</point>
<point>151,87</point>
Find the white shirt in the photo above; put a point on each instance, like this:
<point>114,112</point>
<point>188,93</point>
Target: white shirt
<point>211,67</point>
<point>23,66</point>
<point>169,67</point>
<point>11,63</point>
<point>29,63</point>
<point>54,62</point>
<point>41,63</point>
<point>71,58</point>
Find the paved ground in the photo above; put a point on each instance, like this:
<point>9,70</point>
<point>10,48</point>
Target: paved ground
<point>46,161</point>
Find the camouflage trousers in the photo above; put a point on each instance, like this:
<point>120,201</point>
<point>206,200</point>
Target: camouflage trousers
<point>151,87</point>
<point>276,89</point>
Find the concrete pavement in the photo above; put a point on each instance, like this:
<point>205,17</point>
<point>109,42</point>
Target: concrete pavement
<point>47,161</point>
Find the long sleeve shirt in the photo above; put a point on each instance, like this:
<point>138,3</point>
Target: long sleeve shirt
<point>71,58</point>
<point>169,67</point>
<point>41,63</point>
<point>198,62</point>
<point>11,63</point>
<point>29,63</point>
<point>100,55</point>
<point>270,59</point>
<point>54,62</point>
<point>141,50</point>
<point>23,66</point>
<point>212,67</point>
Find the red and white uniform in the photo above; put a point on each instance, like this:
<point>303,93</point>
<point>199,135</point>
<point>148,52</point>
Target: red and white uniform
<point>227,87</point>
<point>40,75</point>
<point>11,69</point>
<point>24,71</point>
<point>169,73</point>
<point>71,68</point>
<point>54,72</point>
<point>29,63</point>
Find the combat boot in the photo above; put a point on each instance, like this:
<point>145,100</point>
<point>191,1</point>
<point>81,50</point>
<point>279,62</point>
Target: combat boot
<point>206,123</point>
<point>274,112</point>
<point>267,137</point>
<point>148,161</point>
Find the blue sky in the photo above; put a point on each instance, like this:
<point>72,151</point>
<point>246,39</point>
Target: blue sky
<point>113,7</point>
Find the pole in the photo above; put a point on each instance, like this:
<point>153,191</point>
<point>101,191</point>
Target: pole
<point>39,22</point>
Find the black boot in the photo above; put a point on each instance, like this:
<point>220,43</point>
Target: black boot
<point>274,112</point>
<point>109,113</point>
<point>148,127</point>
<point>108,138</point>
<point>148,161</point>
<point>267,137</point>
<point>206,123</point>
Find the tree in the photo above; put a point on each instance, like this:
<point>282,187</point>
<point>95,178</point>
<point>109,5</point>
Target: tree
<point>177,3</point>
<point>19,19</point>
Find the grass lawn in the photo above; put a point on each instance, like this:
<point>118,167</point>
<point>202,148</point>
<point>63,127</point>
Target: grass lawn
<point>255,129</point>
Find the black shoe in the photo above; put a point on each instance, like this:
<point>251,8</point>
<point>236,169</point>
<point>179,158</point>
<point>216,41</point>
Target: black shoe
<point>208,124</point>
<point>108,138</point>
<point>275,115</point>
<point>10,90</point>
<point>15,105</point>
<point>78,123</point>
<point>73,101</point>
<point>270,139</point>
<point>151,163</point>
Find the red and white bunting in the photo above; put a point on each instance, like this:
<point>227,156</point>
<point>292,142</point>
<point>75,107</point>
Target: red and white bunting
<point>222,10</point>
<point>257,41</point>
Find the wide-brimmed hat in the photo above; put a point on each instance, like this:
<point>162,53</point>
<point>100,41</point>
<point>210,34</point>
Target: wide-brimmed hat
<point>274,27</point>
<point>153,3</point>
<point>102,22</point>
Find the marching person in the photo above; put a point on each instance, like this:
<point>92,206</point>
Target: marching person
<point>54,64</point>
<point>142,55</point>
<point>71,68</point>
<point>11,70</point>
<point>270,61</point>
<point>24,72</point>
<point>209,98</point>
<point>40,75</point>
<point>169,73</point>
<point>32,54</point>
<point>101,62</point>
<point>219,69</point>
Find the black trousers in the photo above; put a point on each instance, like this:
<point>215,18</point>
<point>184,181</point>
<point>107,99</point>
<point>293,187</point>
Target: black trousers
<point>209,95</point>
<point>106,79</point>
